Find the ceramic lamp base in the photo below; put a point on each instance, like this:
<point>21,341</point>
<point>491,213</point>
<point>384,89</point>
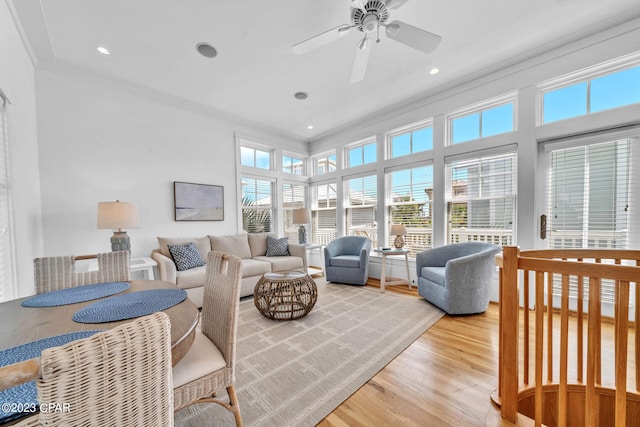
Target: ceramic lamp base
<point>302,235</point>
<point>120,241</point>
<point>399,242</point>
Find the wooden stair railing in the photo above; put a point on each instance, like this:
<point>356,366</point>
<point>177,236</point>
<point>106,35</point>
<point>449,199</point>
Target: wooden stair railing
<point>566,387</point>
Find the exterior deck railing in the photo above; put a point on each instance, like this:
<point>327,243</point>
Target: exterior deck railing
<point>547,371</point>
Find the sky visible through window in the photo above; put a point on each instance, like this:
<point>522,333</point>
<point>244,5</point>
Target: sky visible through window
<point>598,94</point>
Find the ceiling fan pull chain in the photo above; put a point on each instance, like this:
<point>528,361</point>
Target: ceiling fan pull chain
<point>378,29</point>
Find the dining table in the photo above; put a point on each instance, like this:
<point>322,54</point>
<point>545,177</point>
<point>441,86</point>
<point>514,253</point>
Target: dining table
<point>21,325</point>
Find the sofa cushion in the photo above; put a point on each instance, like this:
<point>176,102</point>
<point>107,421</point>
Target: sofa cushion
<point>186,256</point>
<point>237,244</point>
<point>352,261</point>
<point>258,243</point>
<point>254,267</point>
<point>434,274</point>
<point>277,247</point>
<point>202,243</point>
<point>191,278</point>
<point>283,263</point>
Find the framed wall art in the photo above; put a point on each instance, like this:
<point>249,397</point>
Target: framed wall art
<point>198,202</point>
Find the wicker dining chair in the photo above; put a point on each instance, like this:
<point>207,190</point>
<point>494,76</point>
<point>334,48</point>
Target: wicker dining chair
<point>209,366</point>
<point>120,377</point>
<point>55,273</point>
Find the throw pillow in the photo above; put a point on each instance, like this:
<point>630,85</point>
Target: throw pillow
<point>277,247</point>
<point>186,256</point>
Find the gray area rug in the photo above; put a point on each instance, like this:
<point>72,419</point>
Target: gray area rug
<point>294,373</point>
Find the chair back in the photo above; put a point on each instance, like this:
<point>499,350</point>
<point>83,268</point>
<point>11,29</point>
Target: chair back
<point>120,377</point>
<point>55,273</point>
<point>349,245</point>
<point>221,301</point>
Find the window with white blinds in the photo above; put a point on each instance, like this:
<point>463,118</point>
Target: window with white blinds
<point>481,199</point>
<point>361,198</point>
<point>292,198</point>
<point>589,200</point>
<point>257,205</point>
<point>409,196</point>
<point>6,260</point>
<point>324,221</point>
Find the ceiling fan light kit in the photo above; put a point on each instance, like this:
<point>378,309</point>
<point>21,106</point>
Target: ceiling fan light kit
<point>367,17</point>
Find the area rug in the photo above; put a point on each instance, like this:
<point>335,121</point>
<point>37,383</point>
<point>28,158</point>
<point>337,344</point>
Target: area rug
<point>294,373</point>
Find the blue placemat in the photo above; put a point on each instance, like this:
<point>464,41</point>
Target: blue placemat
<point>130,305</point>
<point>76,294</point>
<point>23,398</point>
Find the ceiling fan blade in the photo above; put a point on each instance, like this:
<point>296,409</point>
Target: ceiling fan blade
<point>321,39</point>
<point>360,60</point>
<point>414,37</point>
<point>394,4</point>
<point>359,4</point>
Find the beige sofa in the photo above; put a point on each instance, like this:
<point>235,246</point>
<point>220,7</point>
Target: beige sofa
<point>251,248</point>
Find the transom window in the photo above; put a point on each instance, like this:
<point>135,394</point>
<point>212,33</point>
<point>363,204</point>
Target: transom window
<point>292,165</point>
<point>561,100</point>
<point>411,141</point>
<point>255,158</point>
<point>361,154</point>
<point>325,163</point>
<point>481,121</point>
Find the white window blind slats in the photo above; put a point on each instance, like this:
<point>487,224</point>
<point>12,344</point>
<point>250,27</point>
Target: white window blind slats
<point>324,213</point>
<point>361,198</point>
<point>481,197</point>
<point>292,198</point>
<point>257,205</point>
<point>409,197</point>
<point>589,201</point>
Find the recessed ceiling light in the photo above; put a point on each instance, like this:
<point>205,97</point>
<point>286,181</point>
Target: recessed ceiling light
<point>206,50</point>
<point>301,95</point>
<point>103,50</point>
<point>434,71</point>
<point>310,127</point>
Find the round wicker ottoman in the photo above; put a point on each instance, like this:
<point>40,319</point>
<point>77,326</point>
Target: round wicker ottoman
<point>286,295</point>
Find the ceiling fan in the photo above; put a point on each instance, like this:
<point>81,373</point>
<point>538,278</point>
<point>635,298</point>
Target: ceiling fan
<point>367,16</point>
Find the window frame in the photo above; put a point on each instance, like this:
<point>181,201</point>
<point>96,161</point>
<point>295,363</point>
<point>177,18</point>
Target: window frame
<point>360,144</point>
<point>410,129</point>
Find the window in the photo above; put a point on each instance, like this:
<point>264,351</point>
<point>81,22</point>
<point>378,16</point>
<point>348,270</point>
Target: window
<point>255,158</point>
<point>6,259</point>
<point>292,165</point>
<point>257,208</point>
<point>593,94</point>
<point>361,200</point>
<point>361,154</point>
<point>409,194</point>
<point>411,141</point>
<point>325,163</point>
<point>324,213</point>
<point>589,198</point>
<point>292,198</point>
<point>481,196</point>
<point>491,118</point>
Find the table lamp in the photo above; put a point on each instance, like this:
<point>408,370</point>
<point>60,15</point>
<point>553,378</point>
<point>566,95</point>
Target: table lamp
<point>117,216</point>
<point>398,230</point>
<point>301,217</point>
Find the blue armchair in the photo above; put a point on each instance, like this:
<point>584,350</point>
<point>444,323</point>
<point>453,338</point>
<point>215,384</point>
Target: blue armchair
<point>346,260</point>
<point>459,277</point>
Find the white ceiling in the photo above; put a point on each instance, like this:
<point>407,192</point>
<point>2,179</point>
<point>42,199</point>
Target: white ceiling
<point>255,74</point>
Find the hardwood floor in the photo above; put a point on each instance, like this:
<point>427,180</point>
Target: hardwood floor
<point>445,378</point>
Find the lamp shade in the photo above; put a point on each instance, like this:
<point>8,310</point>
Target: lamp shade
<point>398,230</point>
<point>302,216</point>
<point>117,215</point>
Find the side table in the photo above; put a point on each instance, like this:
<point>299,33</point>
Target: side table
<point>286,295</point>
<point>391,281</point>
<point>313,270</point>
<point>145,265</point>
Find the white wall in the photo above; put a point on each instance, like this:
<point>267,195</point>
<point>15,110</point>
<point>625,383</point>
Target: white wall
<point>17,82</point>
<point>100,140</point>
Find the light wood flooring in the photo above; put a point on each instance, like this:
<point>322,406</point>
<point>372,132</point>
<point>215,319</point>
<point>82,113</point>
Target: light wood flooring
<point>445,378</point>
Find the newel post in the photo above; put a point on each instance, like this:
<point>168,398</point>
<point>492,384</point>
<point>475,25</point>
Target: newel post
<point>509,316</point>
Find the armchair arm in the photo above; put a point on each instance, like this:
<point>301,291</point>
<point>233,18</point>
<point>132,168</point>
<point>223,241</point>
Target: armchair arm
<point>299,251</point>
<point>364,257</point>
<point>166,267</point>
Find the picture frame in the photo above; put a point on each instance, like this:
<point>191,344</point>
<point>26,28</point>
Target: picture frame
<point>198,202</point>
